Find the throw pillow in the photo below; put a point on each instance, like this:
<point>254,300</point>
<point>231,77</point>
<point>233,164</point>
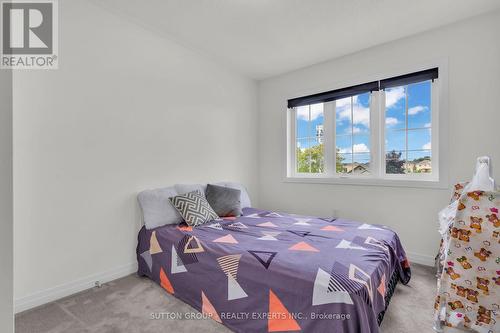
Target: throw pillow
<point>194,208</point>
<point>225,201</point>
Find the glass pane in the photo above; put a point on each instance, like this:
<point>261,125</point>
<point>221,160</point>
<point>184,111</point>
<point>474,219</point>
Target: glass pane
<point>344,143</point>
<point>361,113</point>
<point>353,133</point>
<point>302,129</point>
<point>361,165</point>
<point>419,162</point>
<point>344,150</point>
<point>317,158</point>
<point>408,128</point>
<point>310,135</point>
<point>419,139</point>
<point>395,162</point>
<point>361,143</point>
<point>344,162</point>
<point>395,140</point>
<point>303,160</point>
<point>343,120</point>
<point>419,105</point>
<point>395,108</point>
<point>317,123</point>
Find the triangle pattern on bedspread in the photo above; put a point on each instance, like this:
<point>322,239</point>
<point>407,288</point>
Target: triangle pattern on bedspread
<point>303,246</point>
<point>176,263</point>
<point>234,290</point>
<point>269,235</point>
<point>165,282</point>
<point>148,259</point>
<point>327,290</point>
<point>331,228</point>
<point>193,245</point>
<point>186,258</point>
<point>280,319</point>
<point>360,276</point>
<point>264,257</point>
<point>208,308</point>
<point>229,239</point>
<point>345,244</point>
<point>299,233</point>
<point>366,226</point>
<point>273,214</point>
<point>154,246</point>
<point>237,225</point>
<point>229,265</point>
<point>267,224</point>
<point>216,226</point>
<point>302,221</point>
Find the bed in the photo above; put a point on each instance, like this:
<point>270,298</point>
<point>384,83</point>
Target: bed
<point>273,272</point>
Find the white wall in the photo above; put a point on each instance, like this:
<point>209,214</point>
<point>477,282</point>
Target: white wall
<point>6,318</point>
<point>127,110</point>
<point>473,54</point>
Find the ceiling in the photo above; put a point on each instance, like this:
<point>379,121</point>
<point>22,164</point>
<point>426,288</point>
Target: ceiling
<point>264,38</point>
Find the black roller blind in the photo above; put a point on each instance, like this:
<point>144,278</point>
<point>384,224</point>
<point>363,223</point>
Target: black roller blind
<point>328,96</point>
<point>333,94</point>
<point>428,74</point>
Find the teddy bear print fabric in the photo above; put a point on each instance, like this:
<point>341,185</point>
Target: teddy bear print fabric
<point>469,287</point>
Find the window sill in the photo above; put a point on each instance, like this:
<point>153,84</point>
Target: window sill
<point>410,183</point>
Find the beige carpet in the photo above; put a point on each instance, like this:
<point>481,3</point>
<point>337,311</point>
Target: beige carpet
<point>126,305</point>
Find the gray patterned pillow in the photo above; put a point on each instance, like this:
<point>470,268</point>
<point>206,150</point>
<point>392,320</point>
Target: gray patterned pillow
<point>194,208</point>
<point>225,201</point>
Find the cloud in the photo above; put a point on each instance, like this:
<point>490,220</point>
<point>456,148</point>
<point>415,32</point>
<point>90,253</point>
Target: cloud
<point>361,114</point>
<point>427,125</point>
<point>355,130</point>
<point>316,112</point>
<point>416,109</point>
<point>358,148</point>
<point>393,95</point>
<point>391,121</point>
<point>361,148</point>
<point>427,146</point>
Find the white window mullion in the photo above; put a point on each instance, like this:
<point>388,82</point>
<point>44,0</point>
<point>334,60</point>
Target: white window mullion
<point>309,133</point>
<point>375,142</point>
<point>406,127</point>
<point>329,138</point>
<point>352,136</point>
<point>292,142</point>
<point>381,134</point>
<point>435,129</point>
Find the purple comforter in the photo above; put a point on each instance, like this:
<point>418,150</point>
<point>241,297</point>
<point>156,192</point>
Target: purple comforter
<point>274,272</point>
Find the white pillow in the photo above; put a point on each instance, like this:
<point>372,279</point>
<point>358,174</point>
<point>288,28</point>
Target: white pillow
<point>245,198</point>
<point>157,210</point>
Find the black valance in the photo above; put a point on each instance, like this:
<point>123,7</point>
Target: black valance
<point>328,96</point>
<point>333,94</point>
<point>428,74</point>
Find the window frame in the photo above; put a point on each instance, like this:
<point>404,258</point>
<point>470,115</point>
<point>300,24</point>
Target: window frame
<point>378,176</point>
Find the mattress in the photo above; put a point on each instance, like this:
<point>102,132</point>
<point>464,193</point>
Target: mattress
<point>273,272</point>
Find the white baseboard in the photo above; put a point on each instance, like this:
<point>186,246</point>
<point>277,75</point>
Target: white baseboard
<point>73,287</point>
<point>422,259</point>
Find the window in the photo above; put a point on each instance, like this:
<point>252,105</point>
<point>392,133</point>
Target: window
<point>352,135</point>
<point>309,139</point>
<point>381,130</point>
<point>408,126</point>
